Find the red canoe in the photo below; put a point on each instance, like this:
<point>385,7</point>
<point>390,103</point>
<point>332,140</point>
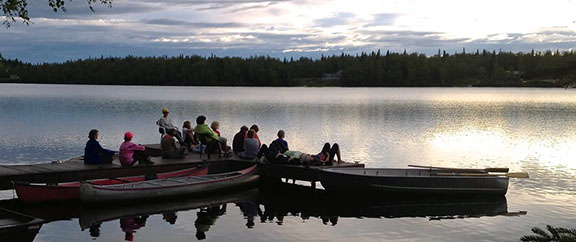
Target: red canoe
<point>36,193</point>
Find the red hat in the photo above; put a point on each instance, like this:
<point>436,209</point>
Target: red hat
<point>128,135</point>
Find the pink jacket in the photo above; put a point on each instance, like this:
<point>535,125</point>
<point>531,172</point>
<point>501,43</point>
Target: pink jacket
<point>127,152</point>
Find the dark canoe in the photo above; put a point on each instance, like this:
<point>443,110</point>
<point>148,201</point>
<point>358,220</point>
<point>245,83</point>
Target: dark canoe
<point>411,181</point>
<point>36,193</point>
<point>15,226</point>
<point>169,187</point>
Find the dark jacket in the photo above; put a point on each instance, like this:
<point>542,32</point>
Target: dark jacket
<point>238,142</point>
<point>92,152</point>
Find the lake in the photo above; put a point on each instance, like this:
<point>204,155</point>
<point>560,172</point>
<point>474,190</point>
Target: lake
<point>528,130</point>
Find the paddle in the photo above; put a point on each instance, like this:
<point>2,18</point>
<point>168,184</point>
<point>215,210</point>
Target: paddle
<point>512,174</point>
<point>490,169</point>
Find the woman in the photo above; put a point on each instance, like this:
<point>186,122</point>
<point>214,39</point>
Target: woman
<point>188,134</point>
<point>215,126</point>
<point>326,156</point>
<point>131,153</point>
<point>256,129</point>
<point>94,153</point>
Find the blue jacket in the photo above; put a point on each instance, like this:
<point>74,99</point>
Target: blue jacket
<point>92,152</point>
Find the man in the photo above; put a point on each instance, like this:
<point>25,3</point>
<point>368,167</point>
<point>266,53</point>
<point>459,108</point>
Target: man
<point>169,150</point>
<point>280,145</point>
<point>166,123</point>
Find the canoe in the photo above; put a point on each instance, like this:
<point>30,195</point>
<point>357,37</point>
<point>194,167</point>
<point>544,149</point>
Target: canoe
<point>168,187</point>
<point>36,193</point>
<point>412,181</point>
<point>10,219</point>
<point>16,226</point>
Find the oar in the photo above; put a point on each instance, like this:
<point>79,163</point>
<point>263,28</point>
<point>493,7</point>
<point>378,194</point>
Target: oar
<point>490,169</point>
<point>512,174</point>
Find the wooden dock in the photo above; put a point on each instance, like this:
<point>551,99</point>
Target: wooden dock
<point>74,169</point>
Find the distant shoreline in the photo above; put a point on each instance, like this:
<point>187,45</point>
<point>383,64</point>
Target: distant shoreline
<point>136,85</point>
<point>478,69</point>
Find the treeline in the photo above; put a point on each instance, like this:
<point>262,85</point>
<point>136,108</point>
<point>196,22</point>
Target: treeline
<point>375,69</point>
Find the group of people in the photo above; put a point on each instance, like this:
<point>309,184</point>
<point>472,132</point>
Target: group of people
<point>130,153</point>
<point>190,138</point>
<point>246,144</point>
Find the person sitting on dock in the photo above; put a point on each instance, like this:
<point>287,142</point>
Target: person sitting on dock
<point>94,153</point>
<point>256,129</point>
<point>238,142</point>
<point>251,147</point>
<point>131,153</point>
<point>169,150</point>
<point>188,133</point>
<point>203,129</point>
<point>280,144</point>
<point>215,125</point>
<point>166,123</point>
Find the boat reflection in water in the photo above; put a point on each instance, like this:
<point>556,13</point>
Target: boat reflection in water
<point>300,201</point>
<point>272,205</point>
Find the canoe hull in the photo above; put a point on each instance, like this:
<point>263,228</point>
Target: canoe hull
<point>102,194</point>
<point>37,193</point>
<point>395,182</point>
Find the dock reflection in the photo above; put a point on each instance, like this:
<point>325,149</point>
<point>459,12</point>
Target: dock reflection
<point>268,205</point>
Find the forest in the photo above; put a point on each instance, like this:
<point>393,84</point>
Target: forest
<point>375,69</point>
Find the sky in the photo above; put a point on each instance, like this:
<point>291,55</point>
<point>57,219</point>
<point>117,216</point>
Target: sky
<point>287,28</point>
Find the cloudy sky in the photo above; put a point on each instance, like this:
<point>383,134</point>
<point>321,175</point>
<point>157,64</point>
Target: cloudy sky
<point>287,27</point>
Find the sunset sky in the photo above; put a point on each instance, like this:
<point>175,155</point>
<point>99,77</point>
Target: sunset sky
<point>287,28</point>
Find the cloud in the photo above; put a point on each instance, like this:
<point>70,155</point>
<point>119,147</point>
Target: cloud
<point>337,19</point>
<point>245,28</point>
<point>382,19</point>
<point>80,9</point>
<point>203,5</point>
<point>175,22</point>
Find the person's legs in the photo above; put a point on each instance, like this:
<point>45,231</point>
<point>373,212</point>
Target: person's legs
<point>223,142</point>
<point>141,157</point>
<point>326,148</point>
<point>263,150</point>
<point>179,137</point>
<point>334,151</point>
<point>106,158</point>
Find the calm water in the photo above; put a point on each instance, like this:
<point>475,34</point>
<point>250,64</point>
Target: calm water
<point>530,130</point>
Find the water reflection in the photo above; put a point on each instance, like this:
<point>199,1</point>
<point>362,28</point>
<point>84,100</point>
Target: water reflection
<point>250,209</point>
<point>207,217</point>
<point>130,224</point>
<point>270,204</point>
<point>528,130</point>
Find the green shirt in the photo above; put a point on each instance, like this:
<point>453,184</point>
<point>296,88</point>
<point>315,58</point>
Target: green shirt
<point>292,154</point>
<point>205,130</point>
